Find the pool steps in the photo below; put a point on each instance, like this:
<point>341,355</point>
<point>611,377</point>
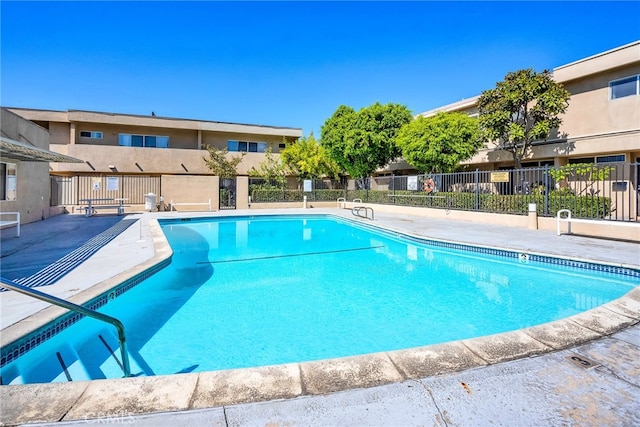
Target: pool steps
<point>80,310</point>
<point>94,358</point>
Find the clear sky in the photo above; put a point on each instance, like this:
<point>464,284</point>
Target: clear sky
<point>287,63</point>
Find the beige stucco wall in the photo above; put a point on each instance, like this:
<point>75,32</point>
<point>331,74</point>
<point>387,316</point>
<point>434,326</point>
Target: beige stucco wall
<point>592,112</point>
<point>190,189</point>
<point>59,133</point>
<point>139,160</point>
<point>33,189</point>
<point>242,192</point>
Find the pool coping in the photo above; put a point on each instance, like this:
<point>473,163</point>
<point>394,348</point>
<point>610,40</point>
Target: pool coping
<point>85,400</point>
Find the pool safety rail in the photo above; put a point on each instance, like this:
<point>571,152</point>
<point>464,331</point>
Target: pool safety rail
<point>564,215</point>
<point>362,212</point>
<point>6,283</point>
<point>342,202</point>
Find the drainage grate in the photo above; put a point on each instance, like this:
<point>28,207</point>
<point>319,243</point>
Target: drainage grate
<point>55,271</point>
<point>582,361</point>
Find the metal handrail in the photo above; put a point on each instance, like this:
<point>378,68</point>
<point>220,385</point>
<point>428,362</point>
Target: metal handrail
<point>6,283</point>
<point>356,210</point>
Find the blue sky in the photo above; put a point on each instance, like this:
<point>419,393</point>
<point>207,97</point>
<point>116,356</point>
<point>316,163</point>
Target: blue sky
<point>286,63</point>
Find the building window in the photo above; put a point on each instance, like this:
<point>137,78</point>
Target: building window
<point>246,146</point>
<point>8,181</point>
<point>628,86</point>
<point>600,159</point>
<point>611,159</point>
<point>152,141</point>
<point>91,134</point>
<point>580,160</point>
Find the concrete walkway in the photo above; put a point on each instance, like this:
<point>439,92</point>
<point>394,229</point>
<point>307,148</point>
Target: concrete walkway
<point>591,384</point>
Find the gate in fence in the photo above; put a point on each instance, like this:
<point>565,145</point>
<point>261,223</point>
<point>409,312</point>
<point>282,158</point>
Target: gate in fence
<point>227,193</point>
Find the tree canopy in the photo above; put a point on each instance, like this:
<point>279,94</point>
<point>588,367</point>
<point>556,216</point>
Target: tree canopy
<point>522,108</point>
<point>307,158</point>
<point>439,143</point>
<point>220,163</point>
<point>362,141</point>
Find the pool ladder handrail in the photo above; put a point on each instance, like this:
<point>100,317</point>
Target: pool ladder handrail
<point>357,211</point>
<point>126,367</point>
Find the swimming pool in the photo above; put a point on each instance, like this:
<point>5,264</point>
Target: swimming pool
<point>381,286</point>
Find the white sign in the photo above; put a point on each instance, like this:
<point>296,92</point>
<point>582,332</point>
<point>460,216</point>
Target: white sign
<point>412,183</point>
<point>96,183</point>
<point>307,185</point>
<point>112,183</point>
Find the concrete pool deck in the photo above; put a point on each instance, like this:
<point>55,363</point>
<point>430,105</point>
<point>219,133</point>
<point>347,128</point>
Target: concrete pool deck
<point>583,370</point>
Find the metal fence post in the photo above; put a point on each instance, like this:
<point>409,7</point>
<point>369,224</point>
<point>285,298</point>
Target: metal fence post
<point>547,190</point>
<point>393,188</point>
<point>367,184</point>
<point>477,183</point>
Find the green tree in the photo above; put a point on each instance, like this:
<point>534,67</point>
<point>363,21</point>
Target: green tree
<point>439,143</point>
<point>220,163</point>
<point>271,168</point>
<point>521,109</point>
<point>587,173</point>
<point>362,141</point>
<point>307,158</point>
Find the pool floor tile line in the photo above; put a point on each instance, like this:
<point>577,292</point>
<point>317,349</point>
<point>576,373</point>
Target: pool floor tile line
<point>54,272</point>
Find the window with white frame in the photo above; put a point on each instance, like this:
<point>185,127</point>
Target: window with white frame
<point>8,181</point>
<point>628,86</point>
<point>91,134</point>
<point>247,146</point>
<point>153,141</point>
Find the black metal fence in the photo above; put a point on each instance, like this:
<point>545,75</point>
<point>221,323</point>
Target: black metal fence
<point>607,191</point>
<point>273,191</point>
<point>603,191</point>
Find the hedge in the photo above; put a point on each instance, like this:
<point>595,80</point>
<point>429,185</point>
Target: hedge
<point>580,206</point>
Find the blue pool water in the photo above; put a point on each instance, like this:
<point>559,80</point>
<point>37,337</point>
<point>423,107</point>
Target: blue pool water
<point>252,291</point>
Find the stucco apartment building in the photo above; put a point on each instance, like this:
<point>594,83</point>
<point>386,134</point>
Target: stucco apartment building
<point>152,145</point>
<point>601,124</point>
<point>125,155</point>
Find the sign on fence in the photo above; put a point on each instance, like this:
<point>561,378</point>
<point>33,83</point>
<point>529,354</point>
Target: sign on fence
<point>499,176</point>
<point>112,183</point>
<point>95,183</point>
<point>412,183</point>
